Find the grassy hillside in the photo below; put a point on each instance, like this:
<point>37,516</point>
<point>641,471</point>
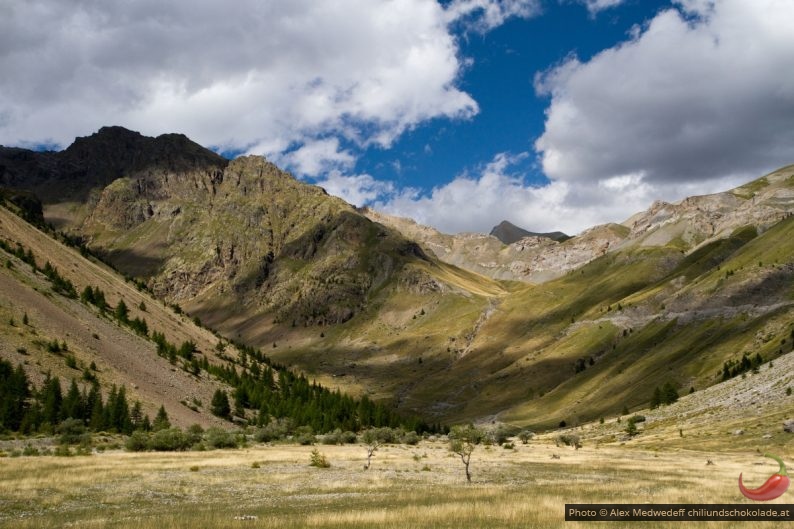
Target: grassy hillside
<point>121,356</point>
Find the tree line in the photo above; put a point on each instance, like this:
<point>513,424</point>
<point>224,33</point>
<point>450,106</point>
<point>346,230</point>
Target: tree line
<point>265,389</point>
<point>28,410</point>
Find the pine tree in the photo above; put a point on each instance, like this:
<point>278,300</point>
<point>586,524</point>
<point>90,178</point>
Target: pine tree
<point>51,399</point>
<point>220,404</point>
<point>72,406</point>
<point>161,421</point>
<point>656,400</point>
<point>669,393</point>
<point>95,409</point>
<point>100,301</point>
<point>121,412</point>
<point>122,313</point>
<point>87,296</point>
<point>14,392</point>
<point>136,415</point>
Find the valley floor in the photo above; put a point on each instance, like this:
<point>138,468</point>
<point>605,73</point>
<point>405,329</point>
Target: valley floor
<point>407,486</point>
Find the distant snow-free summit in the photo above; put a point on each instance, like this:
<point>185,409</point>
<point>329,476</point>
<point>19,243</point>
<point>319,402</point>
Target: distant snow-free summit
<point>508,233</point>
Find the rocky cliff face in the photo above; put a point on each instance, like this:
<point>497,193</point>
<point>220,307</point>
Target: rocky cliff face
<point>698,220</point>
<point>534,258</point>
<point>198,227</point>
<point>688,224</point>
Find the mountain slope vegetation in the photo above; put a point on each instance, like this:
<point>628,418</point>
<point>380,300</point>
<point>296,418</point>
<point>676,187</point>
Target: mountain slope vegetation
<point>416,319</point>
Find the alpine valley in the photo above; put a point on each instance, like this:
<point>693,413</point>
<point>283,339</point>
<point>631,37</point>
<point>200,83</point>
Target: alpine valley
<point>540,329</point>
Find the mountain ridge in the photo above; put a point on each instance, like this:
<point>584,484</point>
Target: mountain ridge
<point>439,324</point>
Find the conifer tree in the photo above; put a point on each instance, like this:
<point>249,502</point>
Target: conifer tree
<point>161,421</point>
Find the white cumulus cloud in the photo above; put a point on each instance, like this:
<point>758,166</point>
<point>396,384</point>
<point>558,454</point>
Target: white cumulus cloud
<point>355,189</point>
<point>699,100</point>
<point>703,93</point>
<point>258,75</point>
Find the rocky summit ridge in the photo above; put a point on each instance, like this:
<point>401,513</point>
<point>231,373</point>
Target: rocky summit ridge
<point>536,258</point>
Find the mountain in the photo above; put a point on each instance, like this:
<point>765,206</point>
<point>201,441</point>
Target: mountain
<point>70,321</point>
<point>509,233</point>
<point>535,258</point>
<point>451,327</point>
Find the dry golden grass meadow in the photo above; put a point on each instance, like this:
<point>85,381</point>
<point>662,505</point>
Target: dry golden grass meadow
<point>406,487</point>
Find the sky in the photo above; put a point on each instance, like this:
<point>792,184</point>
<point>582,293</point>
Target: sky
<point>552,114</point>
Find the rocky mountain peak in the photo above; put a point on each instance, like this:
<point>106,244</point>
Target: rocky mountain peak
<point>509,233</point>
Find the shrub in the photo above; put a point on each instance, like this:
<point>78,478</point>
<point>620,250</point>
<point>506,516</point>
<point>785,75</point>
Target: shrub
<point>219,438</point>
<point>137,442</point>
<point>631,429</point>
<point>525,435</point>
<point>275,430</point>
<point>410,438</point>
<point>72,432</point>
<point>501,434</point>
<point>194,434</point>
<point>304,435</point>
<point>318,460</point>
<point>570,439</point>
<point>169,440</point>
<point>332,438</point>
<point>349,437</point>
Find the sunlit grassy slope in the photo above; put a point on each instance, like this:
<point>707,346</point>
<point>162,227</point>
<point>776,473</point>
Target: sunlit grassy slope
<point>586,345</point>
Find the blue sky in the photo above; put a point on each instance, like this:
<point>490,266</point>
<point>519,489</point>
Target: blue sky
<point>504,62</point>
<point>553,114</point>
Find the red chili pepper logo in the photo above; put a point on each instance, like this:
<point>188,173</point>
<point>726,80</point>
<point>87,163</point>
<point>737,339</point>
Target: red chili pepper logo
<point>774,487</point>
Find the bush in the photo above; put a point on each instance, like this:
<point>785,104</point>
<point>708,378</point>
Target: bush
<point>219,438</point>
<point>501,434</point>
<point>194,434</point>
<point>349,437</point>
<point>570,439</point>
<point>304,436</point>
<point>73,432</point>
<point>385,435</point>
<point>275,430</point>
<point>318,460</point>
<point>411,438</point>
<point>169,440</point>
<point>525,435</point>
<point>332,438</point>
<point>137,442</point>
<point>631,429</point>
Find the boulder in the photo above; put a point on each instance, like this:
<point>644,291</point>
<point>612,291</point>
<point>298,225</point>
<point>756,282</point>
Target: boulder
<point>788,426</point>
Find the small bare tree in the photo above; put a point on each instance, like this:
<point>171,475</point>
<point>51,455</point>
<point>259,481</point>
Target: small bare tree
<point>462,441</point>
<point>372,442</point>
